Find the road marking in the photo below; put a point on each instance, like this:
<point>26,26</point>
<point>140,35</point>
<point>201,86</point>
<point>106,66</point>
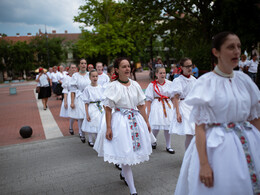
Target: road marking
<point>50,127</point>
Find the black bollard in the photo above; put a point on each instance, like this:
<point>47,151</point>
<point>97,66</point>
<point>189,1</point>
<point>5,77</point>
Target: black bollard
<point>26,131</point>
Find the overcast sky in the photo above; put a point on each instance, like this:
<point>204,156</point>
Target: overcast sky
<point>28,16</point>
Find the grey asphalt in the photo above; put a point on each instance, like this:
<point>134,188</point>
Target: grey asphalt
<point>66,166</point>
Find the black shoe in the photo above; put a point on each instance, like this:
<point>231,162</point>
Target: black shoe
<point>122,178</point>
<point>134,194</point>
<point>154,145</point>
<point>71,131</point>
<point>83,139</point>
<point>118,167</point>
<point>170,150</point>
<point>91,144</point>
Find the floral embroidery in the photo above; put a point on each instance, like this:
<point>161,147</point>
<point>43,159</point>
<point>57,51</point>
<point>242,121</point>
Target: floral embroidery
<point>239,128</point>
<point>133,126</point>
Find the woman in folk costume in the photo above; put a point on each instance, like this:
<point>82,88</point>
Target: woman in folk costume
<point>181,86</point>
<point>127,137</point>
<point>160,107</point>
<point>92,97</point>
<point>224,156</point>
<point>64,110</point>
<point>79,82</point>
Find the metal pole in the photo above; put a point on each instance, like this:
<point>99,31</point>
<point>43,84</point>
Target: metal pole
<point>48,57</point>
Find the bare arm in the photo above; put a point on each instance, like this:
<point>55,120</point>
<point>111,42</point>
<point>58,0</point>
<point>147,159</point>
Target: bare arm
<point>87,114</point>
<point>65,100</point>
<point>206,173</point>
<point>256,123</point>
<point>109,134</point>
<point>72,100</point>
<point>141,108</point>
<point>176,104</point>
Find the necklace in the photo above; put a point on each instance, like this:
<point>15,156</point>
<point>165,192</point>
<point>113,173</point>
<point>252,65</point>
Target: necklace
<point>123,81</point>
<point>82,71</point>
<point>220,73</point>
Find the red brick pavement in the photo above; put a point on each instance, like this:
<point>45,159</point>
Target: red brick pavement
<point>17,111</point>
<point>21,109</point>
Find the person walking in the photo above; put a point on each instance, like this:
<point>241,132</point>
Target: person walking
<point>224,157</point>
<point>79,82</point>
<point>160,107</point>
<point>127,137</point>
<point>45,90</point>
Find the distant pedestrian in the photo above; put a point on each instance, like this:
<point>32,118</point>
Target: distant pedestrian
<point>92,97</point>
<point>195,71</point>
<point>252,67</point>
<point>64,111</point>
<point>181,86</point>
<point>102,77</point>
<point>243,64</point>
<point>45,90</point>
<point>160,107</point>
<point>79,82</point>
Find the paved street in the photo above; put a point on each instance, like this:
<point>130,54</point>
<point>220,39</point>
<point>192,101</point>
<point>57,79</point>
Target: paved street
<point>63,165</point>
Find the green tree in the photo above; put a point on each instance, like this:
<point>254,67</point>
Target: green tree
<point>110,35</point>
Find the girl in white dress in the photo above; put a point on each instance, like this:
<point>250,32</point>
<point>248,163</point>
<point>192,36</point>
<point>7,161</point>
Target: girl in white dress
<point>102,77</point>
<point>79,82</point>
<point>181,86</point>
<point>92,97</point>
<point>160,107</point>
<point>224,156</point>
<point>127,138</point>
<point>64,111</point>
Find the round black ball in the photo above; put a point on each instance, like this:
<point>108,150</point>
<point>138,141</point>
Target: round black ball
<point>26,131</point>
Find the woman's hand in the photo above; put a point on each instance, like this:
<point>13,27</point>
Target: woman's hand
<point>149,127</point>
<point>109,134</point>
<point>179,118</point>
<point>88,118</point>
<point>65,105</point>
<point>72,105</point>
<point>206,175</point>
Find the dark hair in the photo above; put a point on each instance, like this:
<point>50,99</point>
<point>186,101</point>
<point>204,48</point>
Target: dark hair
<point>217,41</point>
<point>117,62</point>
<point>110,68</point>
<point>82,59</point>
<point>183,60</point>
<point>158,68</point>
<point>94,70</point>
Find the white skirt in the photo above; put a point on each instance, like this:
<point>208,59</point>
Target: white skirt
<point>157,119</point>
<point>95,119</point>
<point>79,111</point>
<point>120,149</point>
<point>227,160</point>
<point>63,111</point>
<point>185,127</point>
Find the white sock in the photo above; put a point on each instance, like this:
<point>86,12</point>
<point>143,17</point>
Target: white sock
<point>81,133</point>
<point>167,139</point>
<point>90,137</point>
<point>127,172</point>
<point>188,140</point>
<point>71,123</point>
<point>155,133</point>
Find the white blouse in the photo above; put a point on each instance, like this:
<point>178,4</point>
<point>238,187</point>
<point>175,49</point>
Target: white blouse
<point>79,82</point>
<point>217,99</point>
<point>120,96</point>
<point>92,94</point>
<point>102,79</point>
<point>165,90</point>
<point>182,85</point>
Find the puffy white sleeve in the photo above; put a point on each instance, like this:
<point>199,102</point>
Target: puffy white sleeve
<point>65,85</point>
<point>140,94</point>
<point>176,87</point>
<point>73,83</point>
<point>254,96</point>
<point>86,96</point>
<point>111,95</point>
<point>202,98</point>
<point>149,92</point>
